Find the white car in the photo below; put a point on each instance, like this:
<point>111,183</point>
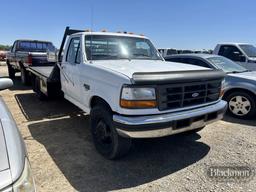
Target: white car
<point>129,90</point>
<point>15,171</point>
<point>242,53</point>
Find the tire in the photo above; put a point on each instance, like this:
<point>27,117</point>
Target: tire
<point>241,104</point>
<point>11,71</point>
<point>105,137</point>
<point>24,76</point>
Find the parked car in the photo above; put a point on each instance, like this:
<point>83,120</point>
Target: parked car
<point>242,53</point>
<point>128,89</point>
<point>26,53</point>
<point>240,83</point>
<point>165,52</point>
<point>15,171</point>
<point>2,55</point>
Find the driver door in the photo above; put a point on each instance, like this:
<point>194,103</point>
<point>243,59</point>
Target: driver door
<point>69,70</point>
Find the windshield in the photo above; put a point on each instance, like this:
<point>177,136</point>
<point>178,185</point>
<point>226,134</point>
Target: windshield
<point>249,50</point>
<point>102,47</point>
<point>226,65</point>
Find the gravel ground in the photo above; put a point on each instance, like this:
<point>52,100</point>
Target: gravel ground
<point>63,157</point>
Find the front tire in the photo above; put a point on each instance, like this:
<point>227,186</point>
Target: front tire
<point>241,104</point>
<point>105,137</point>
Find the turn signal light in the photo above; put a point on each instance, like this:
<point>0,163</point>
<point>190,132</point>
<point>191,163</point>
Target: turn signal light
<point>137,104</point>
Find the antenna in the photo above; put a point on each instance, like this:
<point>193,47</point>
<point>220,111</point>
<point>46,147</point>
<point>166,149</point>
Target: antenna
<point>91,33</point>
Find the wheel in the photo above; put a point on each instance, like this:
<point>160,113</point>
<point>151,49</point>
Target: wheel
<point>24,76</point>
<point>241,104</point>
<point>11,71</point>
<point>105,137</point>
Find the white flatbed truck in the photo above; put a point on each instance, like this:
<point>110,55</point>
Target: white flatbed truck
<point>128,89</point>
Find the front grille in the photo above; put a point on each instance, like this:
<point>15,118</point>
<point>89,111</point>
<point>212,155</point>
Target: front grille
<point>175,96</point>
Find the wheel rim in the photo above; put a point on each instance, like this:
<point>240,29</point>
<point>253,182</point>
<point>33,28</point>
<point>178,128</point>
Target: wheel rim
<point>240,105</point>
<point>103,136</point>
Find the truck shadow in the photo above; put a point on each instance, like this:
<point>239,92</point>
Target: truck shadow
<point>34,109</point>
<point>230,119</point>
<point>68,142</point>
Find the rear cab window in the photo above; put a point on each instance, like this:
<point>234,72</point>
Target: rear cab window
<point>35,46</point>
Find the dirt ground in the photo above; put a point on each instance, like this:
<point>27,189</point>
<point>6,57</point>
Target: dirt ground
<point>63,157</point>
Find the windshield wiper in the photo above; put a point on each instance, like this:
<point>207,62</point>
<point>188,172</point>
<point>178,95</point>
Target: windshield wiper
<point>246,71</point>
<point>238,71</point>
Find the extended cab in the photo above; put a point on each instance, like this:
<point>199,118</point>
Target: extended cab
<point>242,53</point>
<point>26,53</point>
<point>128,89</point>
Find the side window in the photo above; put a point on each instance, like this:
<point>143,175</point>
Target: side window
<point>231,52</point>
<point>73,55</point>
<point>14,47</point>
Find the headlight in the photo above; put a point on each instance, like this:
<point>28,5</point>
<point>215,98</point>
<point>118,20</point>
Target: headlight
<point>138,97</point>
<point>26,182</point>
<point>222,91</point>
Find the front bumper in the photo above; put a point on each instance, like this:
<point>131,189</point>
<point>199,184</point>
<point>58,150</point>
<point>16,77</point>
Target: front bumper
<point>168,124</point>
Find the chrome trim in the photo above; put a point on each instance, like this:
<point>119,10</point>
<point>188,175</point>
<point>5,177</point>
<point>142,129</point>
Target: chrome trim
<point>163,118</point>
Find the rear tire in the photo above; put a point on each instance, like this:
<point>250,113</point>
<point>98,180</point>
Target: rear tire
<point>105,137</point>
<point>241,104</point>
<point>11,71</point>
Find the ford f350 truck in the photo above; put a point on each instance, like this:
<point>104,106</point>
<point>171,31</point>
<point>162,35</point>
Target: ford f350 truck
<point>128,89</point>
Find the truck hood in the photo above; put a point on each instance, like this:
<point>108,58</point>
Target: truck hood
<point>246,75</point>
<point>128,68</point>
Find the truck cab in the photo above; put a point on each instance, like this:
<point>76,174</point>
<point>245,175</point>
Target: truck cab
<point>129,91</point>
<point>241,53</point>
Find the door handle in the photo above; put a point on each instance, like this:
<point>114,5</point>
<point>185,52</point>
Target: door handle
<point>86,87</point>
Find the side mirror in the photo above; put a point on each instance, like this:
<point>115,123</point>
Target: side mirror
<point>242,58</point>
<point>51,56</point>
<point>239,57</point>
<point>5,83</point>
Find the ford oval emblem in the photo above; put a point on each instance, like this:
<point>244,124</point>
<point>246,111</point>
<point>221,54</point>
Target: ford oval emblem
<point>195,95</point>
